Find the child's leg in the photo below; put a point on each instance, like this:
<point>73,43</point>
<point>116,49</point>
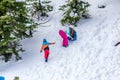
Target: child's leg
<point>46,54</point>
<point>65,42</point>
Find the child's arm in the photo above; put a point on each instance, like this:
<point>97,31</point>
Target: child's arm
<point>41,48</point>
<point>52,43</point>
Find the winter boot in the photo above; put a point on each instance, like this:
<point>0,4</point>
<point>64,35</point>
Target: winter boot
<point>46,60</point>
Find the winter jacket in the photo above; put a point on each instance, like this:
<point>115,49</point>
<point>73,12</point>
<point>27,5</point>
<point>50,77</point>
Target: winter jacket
<point>68,33</point>
<point>45,45</point>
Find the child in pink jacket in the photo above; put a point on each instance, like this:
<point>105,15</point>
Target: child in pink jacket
<point>65,38</point>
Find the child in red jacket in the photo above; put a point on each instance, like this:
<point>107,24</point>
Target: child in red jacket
<point>45,47</point>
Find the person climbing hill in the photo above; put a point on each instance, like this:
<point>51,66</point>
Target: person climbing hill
<point>45,47</point>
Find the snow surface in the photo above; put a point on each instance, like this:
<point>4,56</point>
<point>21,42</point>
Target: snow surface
<point>92,57</point>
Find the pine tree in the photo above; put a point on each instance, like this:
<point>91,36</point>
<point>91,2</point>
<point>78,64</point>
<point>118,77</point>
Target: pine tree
<point>15,25</point>
<point>40,9</point>
<point>74,10</point>
<point>16,78</point>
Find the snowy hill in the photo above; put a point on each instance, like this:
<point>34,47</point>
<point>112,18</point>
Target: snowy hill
<point>92,57</point>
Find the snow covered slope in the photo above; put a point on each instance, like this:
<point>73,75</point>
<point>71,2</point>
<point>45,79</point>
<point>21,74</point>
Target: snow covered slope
<point>92,57</point>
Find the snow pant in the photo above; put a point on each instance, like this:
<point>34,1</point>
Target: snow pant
<point>65,42</point>
<point>46,54</point>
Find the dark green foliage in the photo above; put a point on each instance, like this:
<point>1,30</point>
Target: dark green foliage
<point>74,10</point>
<point>15,25</point>
<point>16,78</point>
<point>43,8</point>
<point>101,6</point>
